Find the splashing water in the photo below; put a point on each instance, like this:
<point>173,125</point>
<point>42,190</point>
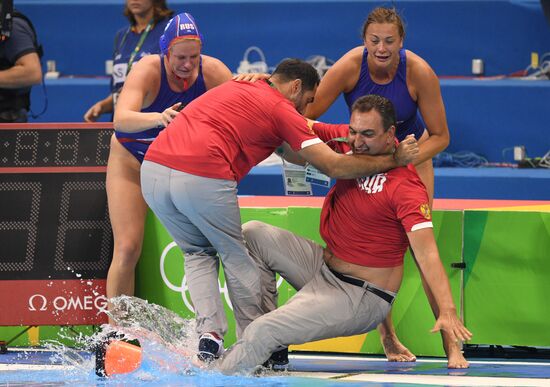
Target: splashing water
<point>168,340</point>
<point>132,314</point>
<point>168,343</point>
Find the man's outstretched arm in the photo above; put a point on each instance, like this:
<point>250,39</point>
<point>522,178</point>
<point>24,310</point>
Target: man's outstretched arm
<point>341,166</point>
<point>425,250</point>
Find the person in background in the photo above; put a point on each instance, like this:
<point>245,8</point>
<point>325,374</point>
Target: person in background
<point>147,18</point>
<point>19,66</point>
<point>348,287</point>
<point>155,89</point>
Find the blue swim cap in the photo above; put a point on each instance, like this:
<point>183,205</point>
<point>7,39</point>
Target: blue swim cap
<point>181,26</point>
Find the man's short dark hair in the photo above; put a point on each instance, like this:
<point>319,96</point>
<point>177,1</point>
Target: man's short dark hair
<point>291,69</point>
<point>379,104</point>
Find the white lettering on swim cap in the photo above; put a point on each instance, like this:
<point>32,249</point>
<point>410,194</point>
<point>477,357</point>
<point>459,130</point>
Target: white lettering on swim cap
<point>187,26</point>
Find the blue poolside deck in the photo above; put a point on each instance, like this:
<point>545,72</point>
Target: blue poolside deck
<point>306,370</point>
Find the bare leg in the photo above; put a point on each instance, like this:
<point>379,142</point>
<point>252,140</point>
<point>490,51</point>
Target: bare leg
<point>127,211</point>
<point>393,348</point>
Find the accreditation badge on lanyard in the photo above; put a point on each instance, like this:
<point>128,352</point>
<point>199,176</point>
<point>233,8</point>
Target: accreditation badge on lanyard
<point>315,176</point>
<point>121,70</point>
<point>294,180</point>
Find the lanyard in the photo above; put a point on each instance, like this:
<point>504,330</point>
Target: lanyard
<point>338,139</point>
<point>144,34</point>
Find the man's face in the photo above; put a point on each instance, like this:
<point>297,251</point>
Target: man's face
<point>184,58</point>
<point>302,98</point>
<point>367,135</point>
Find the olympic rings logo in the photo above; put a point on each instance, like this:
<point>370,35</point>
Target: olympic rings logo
<point>183,289</point>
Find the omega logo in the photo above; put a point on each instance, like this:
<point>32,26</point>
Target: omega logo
<point>40,303</point>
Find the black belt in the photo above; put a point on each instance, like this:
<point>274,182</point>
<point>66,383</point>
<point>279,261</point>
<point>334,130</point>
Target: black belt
<point>365,285</point>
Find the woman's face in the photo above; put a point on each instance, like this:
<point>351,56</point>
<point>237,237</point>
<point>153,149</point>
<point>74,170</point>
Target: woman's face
<point>383,43</point>
<point>184,58</point>
<point>139,7</point>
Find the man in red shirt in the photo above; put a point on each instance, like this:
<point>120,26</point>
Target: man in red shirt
<point>190,174</point>
<point>367,223</point>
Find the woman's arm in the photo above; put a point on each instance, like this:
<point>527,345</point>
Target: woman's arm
<point>424,85</point>
<point>341,77</point>
<point>140,82</point>
<point>99,108</point>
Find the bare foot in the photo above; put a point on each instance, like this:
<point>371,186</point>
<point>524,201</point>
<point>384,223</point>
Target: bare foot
<point>455,359</point>
<point>395,351</point>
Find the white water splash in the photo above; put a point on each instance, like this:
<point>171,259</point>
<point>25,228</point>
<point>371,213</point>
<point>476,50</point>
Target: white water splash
<point>168,344</point>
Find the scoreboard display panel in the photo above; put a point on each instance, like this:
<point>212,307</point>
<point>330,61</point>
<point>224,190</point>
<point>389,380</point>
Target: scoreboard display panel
<point>55,235</point>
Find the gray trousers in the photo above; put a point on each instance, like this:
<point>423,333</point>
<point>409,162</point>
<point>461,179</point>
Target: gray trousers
<point>324,306</point>
<point>202,215</point>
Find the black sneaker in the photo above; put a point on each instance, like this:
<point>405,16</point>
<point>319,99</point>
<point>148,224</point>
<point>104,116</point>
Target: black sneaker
<point>210,347</point>
<point>278,360</point>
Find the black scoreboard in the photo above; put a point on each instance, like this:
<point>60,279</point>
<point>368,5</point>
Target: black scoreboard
<point>54,221</point>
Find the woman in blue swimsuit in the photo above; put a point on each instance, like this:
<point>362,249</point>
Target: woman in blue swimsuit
<point>381,66</point>
<point>153,93</point>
